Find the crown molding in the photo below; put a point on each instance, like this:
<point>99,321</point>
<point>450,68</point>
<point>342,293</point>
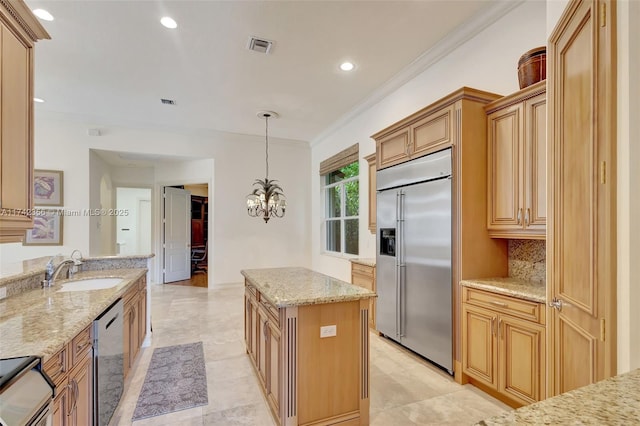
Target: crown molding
<point>463,33</point>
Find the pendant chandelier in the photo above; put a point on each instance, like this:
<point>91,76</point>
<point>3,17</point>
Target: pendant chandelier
<point>267,199</point>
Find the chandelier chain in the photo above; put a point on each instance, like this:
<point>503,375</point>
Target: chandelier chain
<point>266,137</point>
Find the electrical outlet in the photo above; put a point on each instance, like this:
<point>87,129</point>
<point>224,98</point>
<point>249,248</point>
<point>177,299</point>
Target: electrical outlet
<point>327,331</point>
<point>3,292</point>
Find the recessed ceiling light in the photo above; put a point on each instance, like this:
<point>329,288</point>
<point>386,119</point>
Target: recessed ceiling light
<point>38,100</point>
<point>346,66</point>
<point>43,14</point>
<point>168,22</point>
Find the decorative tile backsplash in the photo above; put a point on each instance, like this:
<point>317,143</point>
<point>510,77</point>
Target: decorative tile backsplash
<point>527,260</point>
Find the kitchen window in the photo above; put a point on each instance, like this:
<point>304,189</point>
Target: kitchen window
<point>341,193</point>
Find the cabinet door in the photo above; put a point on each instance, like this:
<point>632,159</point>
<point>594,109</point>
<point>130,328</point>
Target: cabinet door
<point>255,331</point>
<point>274,385</point>
<point>247,321</point>
<point>432,133</point>
<point>581,251</point>
<point>82,393</point>
<point>142,317</point>
<point>479,352</point>
<point>393,149</point>
<point>535,163</point>
<point>16,166</point>
<point>126,338</point>
<point>133,332</point>
<point>521,356</point>
<point>263,336</point>
<point>505,134</point>
<point>60,408</point>
<point>372,192</point>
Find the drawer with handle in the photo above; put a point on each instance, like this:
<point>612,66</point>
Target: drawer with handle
<point>80,346</point>
<point>56,367</point>
<point>520,308</point>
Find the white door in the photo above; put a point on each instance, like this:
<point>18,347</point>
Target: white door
<point>177,234</point>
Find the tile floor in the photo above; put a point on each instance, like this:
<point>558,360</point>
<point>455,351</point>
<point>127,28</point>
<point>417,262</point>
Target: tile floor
<point>405,390</point>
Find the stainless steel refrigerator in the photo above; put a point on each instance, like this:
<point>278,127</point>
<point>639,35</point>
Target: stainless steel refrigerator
<point>413,261</point>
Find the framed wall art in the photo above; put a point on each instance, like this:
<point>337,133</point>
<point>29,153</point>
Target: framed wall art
<point>47,229</point>
<point>48,187</point>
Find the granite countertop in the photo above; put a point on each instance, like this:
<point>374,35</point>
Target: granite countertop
<point>301,286</point>
<point>365,261</point>
<point>614,401</point>
<point>534,291</point>
<point>39,322</point>
<point>26,268</point>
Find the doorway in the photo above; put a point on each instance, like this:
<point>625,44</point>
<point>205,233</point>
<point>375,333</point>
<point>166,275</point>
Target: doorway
<point>185,231</point>
<point>133,221</point>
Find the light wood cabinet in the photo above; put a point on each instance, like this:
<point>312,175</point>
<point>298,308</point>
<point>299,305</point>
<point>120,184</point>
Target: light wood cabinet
<point>516,136</point>
<point>581,253</point>
<point>502,352</point>
<point>59,411</point>
<point>19,30</point>
<point>134,322</point>
<point>295,365</point>
<point>71,370</point>
<point>364,275</point>
<point>371,160</point>
<point>420,134</point>
<point>81,388</point>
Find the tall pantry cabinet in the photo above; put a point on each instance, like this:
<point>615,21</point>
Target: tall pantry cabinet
<point>19,31</point>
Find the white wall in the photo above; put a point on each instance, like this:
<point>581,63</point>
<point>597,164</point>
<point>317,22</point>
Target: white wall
<point>240,242</point>
<point>488,62</point>
<point>628,185</point>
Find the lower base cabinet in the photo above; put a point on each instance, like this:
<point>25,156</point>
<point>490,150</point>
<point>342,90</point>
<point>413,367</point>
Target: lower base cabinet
<point>303,380</point>
<point>71,370</point>
<point>503,353</point>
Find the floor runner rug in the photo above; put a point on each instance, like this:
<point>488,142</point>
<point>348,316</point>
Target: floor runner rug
<point>176,380</point>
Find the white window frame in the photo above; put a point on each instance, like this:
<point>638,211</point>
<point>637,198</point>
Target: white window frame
<point>342,218</point>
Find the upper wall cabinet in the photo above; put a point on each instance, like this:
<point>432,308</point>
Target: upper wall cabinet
<point>516,136</point>
<point>19,30</point>
<point>420,134</point>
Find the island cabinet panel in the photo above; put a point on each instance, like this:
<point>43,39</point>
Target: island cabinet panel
<point>308,379</point>
<point>336,360</point>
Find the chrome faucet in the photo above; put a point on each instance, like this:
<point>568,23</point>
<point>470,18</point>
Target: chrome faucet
<point>52,273</point>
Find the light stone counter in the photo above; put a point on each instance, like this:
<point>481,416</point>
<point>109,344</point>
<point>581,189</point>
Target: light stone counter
<point>40,321</point>
<point>300,286</point>
<point>365,261</point>
<point>529,290</point>
<point>615,401</point>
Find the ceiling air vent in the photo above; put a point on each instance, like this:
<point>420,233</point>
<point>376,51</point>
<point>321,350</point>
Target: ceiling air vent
<point>168,101</point>
<point>260,45</point>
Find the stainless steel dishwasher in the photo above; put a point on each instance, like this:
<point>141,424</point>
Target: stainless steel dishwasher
<point>108,363</point>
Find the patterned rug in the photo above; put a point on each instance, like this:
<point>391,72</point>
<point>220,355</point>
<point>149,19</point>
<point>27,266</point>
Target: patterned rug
<point>176,380</point>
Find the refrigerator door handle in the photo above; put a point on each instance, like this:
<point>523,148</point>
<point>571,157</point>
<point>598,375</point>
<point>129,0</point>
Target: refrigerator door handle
<point>398,250</point>
<point>401,265</point>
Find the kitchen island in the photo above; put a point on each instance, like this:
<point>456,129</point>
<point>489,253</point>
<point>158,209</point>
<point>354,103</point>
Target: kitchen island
<point>307,337</point>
